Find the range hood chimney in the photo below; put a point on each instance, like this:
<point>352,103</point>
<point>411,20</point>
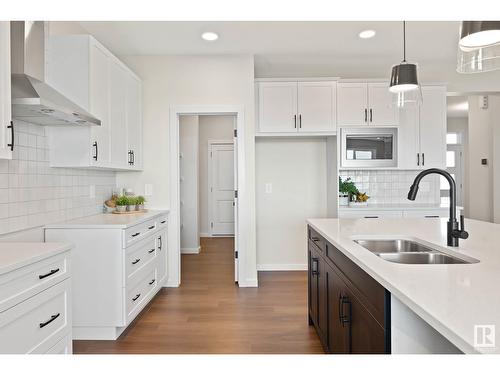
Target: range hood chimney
<point>33,99</point>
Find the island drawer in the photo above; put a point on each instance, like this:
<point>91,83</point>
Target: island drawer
<point>20,284</point>
<point>317,239</point>
<point>139,255</point>
<point>137,232</point>
<point>64,346</point>
<point>136,294</point>
<point>37,324</point>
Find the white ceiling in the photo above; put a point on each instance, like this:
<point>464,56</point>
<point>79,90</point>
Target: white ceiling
<point>292,48</point>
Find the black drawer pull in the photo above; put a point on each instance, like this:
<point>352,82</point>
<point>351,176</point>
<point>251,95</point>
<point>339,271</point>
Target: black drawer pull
<point>136,261</point>
<point>11,127</point>
<point>429,216</point>
<point>345,318</point>
<point>160,243</point>
<point>152,282</point>
<point>371,217</point>
<point>315,239</point>
<point>151,227</point>
<point>151,251</point>
<point>52,318</point>
<point>137,296</point>
<point>136,234</point>
<point>163,222</point>
<point>48,274</point>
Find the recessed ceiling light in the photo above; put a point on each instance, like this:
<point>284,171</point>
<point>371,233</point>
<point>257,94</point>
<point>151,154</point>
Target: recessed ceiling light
<point>210,36</point>
<point>367,34</point>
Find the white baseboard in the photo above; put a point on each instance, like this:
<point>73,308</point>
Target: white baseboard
<point>282,267</point>
<point>248,283</point>
<point>205,235</point>
<point>192,250</point>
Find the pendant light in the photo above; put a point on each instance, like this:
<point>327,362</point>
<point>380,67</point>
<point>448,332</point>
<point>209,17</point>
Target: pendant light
<point>479,47</point>
<point>404,82</point>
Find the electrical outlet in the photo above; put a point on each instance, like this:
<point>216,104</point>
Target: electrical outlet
<point>269,188</point>
<point>148,190</point>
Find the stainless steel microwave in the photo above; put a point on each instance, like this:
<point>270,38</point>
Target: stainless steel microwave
<point>369,147</point>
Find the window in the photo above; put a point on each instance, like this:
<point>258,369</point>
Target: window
<point>451,138</point>
<point>450,159</point>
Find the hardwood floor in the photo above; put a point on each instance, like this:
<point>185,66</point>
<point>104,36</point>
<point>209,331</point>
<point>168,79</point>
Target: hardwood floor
<point>210,314</point>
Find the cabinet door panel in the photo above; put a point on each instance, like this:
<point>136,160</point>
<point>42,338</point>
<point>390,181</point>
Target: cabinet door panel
<point>408,139</point>
<point>317,106</point>
<point>338,334</point>
<point>352,106</point>
<point>134,119</point>
<point>313,286</point>
<point>5,94</point>
<point>278,107</point>
<point>322,302</point>
<point>380,110</point>
<point>433,127</point>
<point>99,103</point>
<point>117,114</point>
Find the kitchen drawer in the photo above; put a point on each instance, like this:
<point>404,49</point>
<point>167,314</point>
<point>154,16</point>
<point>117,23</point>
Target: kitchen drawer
<point>369,214</point>
<point>64,346</point>
<point>426,213</point>
<point>136,294</point>
<point>37,324</point>
<point>317,239</point>
<point>139,255</point>
<point>139,231</point>
<point>20,284</point>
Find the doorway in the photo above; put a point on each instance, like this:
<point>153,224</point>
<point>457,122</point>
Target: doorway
<point>208,181</point>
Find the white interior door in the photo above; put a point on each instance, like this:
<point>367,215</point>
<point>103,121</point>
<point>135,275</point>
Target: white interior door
<point>235,203</point>
<point>221,212</point>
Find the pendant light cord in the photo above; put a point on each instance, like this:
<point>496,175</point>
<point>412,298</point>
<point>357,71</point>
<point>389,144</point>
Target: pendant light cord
<point>404,41</point>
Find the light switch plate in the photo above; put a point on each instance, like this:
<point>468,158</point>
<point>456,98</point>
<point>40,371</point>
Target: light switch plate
<point>269,188</point>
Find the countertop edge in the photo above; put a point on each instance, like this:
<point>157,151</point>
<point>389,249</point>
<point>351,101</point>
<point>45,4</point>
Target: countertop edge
<point>456,340</point>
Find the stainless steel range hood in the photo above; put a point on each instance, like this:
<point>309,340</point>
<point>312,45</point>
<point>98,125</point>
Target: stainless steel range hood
<point>33,99</point>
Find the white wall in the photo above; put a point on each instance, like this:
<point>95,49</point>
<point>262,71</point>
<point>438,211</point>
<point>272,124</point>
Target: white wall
<point>214,127</point>
<point>297,170</point>
<point>194,80</point>
<point>188,153</point>
<point>481,200</point>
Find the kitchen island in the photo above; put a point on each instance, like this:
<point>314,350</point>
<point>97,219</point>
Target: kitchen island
<point>458,302</point>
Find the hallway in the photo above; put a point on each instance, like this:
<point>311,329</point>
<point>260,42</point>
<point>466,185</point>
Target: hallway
<point>210,314</point>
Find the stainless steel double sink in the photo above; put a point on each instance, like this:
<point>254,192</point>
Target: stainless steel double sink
<point>410,252</point>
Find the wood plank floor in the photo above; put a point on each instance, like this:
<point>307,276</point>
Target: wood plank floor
<point>210,314</point>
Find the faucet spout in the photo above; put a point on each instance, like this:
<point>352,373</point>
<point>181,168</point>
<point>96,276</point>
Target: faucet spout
<point>454,233</point>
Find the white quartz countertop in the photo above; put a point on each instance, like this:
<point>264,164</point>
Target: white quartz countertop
<point>14,255</point>
<point>396,206</point>
<point>452,298</point>
<point>108,220</point>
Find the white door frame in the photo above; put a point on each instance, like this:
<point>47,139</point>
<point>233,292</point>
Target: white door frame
<point>212,142</point>
<point>174,251</point>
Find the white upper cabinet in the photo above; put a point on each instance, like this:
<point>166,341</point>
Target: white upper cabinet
<point>278,107</point>
<point>422,133</point>
<point>317,106</point>
<point>361,103</point>
<point>6,133</point>
<point>294,107</point>
<point>103,85</point>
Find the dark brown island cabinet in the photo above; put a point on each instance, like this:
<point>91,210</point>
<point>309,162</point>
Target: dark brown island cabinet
<point>348,308</point>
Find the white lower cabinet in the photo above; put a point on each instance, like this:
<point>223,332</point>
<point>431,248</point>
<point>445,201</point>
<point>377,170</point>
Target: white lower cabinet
<point>35,311</point>
<point>117,271</point>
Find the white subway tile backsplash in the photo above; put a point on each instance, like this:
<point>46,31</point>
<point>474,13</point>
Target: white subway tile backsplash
<point>34,194</point>
<point>391,186</point>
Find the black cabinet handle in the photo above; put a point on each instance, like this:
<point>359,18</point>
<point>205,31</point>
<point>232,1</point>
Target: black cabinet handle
<point>160,243</point>
<point>133,157</point>
<point>151,227</point>
<point>295,121</point>
<point>371,217</point>
<point>137,296</point>
<point>163,222</point>
<point>418,159</point>
<point>129,157</point>
<point>366,115</point>
<point>315,239</point>
<point>95,157</point>
<point>136,234</point>
<point>152,282</point>
<point>315,269</point>
<point>431,216</point>
<point>151,251</point>
<point>371,115</point>
<point>423,158</point>
<point>300,121</point>
<point>52,318</point>
<point>48,274</point>
<point>345,318</point>
<point>136,261</point>
<point>11,127</point>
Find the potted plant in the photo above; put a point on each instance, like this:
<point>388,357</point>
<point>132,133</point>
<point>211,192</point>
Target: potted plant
<point>347,189</point>
<point>139,203</point>
<point>121,203</point>
<point>131,202</point>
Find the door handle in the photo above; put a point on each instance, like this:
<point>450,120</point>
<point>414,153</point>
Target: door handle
<point>295,121</point>
<point>48,274</point>
<point>300,121</point>
<point>52,318</point>
<point>11,127</point>
<point>366,115</point>
<point>371,115</point>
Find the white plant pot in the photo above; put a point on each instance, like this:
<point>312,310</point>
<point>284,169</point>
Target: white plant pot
<point>121,208</point>
<point>131,207</point>
<point>139,207</point>
<point>358,204</point>
<point>343,201</point>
